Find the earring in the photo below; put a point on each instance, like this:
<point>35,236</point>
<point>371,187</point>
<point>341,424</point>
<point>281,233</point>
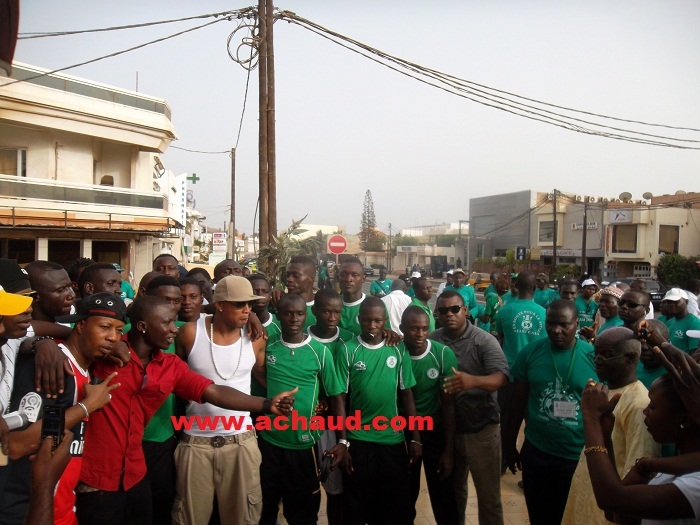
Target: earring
<point>143,331</point>
<point>682,425</point>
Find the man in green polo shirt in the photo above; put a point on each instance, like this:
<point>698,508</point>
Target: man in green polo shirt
<point>381,286</point>
<point>459,285</point>
<point>424,291</point>
<point>432,362</point>
<point>288,471</point>
<point>378,379</point>
<point>550,375</point>
<point>679,320</point>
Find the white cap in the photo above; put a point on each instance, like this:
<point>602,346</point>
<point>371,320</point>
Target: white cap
<point>416,275</point>
<point>588,282</point>
<point>675,294</point>
<point>449,272</point>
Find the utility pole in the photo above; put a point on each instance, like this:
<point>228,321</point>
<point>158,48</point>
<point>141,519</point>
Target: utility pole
<point>388,254</point>
<point>554,233</point>
<point>232,218</point>
<point>583,237</point>
<point>271,143</point>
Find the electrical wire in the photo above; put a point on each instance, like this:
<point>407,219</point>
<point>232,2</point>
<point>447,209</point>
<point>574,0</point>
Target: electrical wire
<point>199,151</point>
<point>117,53</point>
<point>477,93</point>
<point>44,34</point>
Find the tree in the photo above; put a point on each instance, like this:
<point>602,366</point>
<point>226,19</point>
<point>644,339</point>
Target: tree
<point>675,270</point>
<point>273,258</point>
<point>445,241</point>
<point>370,240</point>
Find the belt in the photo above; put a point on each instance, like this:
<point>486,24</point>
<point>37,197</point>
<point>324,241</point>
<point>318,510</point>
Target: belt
<point>217,441</point>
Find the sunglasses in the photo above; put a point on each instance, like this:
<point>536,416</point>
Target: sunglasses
<point>631,304</point>
<point>601,359</point>
<point>442,310</point>
<point>239,305</point>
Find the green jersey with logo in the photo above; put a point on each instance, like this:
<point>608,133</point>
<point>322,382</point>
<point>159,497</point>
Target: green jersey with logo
<point>373,375</point>
<point>310,317</point>
<point>430,369</point>
<point>350,316</point>
<point>336,344</point>
<point>380,288</point>
<point>308,365</point>
<point>557,379</point>
<point>586,311</point>
<point>426,308</point>
<point>520,323</point>
<point>677,328</point>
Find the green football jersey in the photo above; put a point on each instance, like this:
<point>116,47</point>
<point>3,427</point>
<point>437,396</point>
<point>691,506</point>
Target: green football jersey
<point>308,365</point>
<point>373,375</point>
<point>349,316</point>
<point>336,344</point>
<point>380,288</point>
<point>310,317</point>
<point>430,369</point>
<point>426,308</point>
<point>677,328</point>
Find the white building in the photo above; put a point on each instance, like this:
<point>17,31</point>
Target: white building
<point>80,173</point>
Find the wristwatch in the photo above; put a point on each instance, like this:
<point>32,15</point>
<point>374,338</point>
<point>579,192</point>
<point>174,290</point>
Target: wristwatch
<point>344,442</point>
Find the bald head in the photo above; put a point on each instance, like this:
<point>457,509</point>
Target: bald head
<point>146,280</point>
<point>622,339</point>
<point>526,283</point>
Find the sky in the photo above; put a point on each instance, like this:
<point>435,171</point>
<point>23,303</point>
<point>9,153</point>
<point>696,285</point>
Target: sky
<point>345,125</point>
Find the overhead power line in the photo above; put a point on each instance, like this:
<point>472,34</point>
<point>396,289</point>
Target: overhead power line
<point>199,151</point>
<point>505,101</point>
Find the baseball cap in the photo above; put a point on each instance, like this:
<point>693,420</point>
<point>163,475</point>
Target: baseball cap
<point>459,270</point>
<point>103,304</point>
<point>13,278</point>
<point>675,294</point>
<point>416,275</point>
<point>235,289</point>
<point>450,272</point>
<point>13,304</point>
<point>588,282</point>
<point>542,276</point>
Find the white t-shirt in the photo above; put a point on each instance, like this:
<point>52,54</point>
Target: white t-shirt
<point>689,485</point>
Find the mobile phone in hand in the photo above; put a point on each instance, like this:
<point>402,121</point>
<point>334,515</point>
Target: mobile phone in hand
<point>53,424</point>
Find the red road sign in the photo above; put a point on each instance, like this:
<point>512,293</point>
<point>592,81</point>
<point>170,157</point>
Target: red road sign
<point>337,244</point>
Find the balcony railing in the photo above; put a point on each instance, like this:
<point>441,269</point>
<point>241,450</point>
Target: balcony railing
<point>70,192</point>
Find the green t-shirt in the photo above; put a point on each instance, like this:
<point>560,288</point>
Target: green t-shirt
<point>677,328</point>
<point>520,323</point>
<point>430,369</point>
<point>160,427</point>
<point>611,323</point>
<point>374,374</point>
<point>308,365</point>
<point>310,317</point>
<point>349,316</point>
<point>545,297</point>
<point>586,311</point>
<point>273,330</point>
<point>426,308</point>
<point>552,427</point>
<point>336,344</point>
<point>380,288</point>
<point>509,297</point>
<point>648,375</point>
<point>490,289</point>
<point>494,302</point>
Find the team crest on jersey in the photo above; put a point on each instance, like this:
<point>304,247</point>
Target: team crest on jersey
<point>432,373</point>
<point>360,365</point>
<point>678,333</point>
<point>391,361</point>
<point>271,359</point>
<point>527,322</point>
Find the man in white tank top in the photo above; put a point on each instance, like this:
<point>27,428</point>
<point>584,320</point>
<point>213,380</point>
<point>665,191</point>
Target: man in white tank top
<point>219,455</point>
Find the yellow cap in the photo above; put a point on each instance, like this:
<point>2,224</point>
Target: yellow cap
<point>13,304</point>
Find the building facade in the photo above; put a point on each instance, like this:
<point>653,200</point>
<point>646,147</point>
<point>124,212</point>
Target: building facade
<point>80,174</point>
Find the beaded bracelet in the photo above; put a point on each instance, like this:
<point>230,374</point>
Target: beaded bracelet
<point>596,448</point>
<point>40,338</point>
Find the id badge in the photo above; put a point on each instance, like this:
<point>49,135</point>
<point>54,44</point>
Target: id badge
<point>565,409</point>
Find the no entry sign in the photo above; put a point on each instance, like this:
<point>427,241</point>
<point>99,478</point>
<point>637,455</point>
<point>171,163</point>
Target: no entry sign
<point>337,244</point>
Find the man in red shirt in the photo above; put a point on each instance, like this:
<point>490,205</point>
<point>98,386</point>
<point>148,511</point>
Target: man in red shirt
<point>113,488</point>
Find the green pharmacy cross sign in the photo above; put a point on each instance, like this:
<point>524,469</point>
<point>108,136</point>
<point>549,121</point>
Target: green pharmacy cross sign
<point>194,178</point>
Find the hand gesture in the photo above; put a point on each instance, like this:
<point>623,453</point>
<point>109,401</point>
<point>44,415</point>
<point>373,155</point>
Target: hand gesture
<point>685,372</point>
<point>283,402</point>
<point>596,405</point>
<point>97,396</point>
<point>459,382</point>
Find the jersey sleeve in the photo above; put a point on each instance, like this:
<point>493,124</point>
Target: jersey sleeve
<point>406,377</point>
<point>342,366</point>
<point>449,361</point>
<point>329,376</point>
<point>693,342</point>
<point>499,323</point>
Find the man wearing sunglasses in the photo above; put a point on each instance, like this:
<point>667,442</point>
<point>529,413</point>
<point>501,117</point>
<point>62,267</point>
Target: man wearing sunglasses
<point>220,349</point>
<point>483,369</point>
<point>633,308</point>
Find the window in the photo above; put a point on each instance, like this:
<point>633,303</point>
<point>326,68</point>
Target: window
<point>546,233</point>
<point>13,161</point>
<point>668,238</point>
<point>624,238</point>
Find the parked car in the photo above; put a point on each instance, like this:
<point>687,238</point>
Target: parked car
<point>655,289</point>
<point>369,270</point>
<point>480,281</point>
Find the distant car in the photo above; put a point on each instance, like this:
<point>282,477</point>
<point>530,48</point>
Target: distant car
<point>369,270</point>
<point>480,281</point>
<point>655,289</point>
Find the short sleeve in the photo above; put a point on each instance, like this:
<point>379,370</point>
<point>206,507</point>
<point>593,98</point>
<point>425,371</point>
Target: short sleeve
<point>329,377</point>
<point>499,323</point>
<point>342,366</point>
<point>449,361</point>
<point>689,485</point>
<point>406,377</point>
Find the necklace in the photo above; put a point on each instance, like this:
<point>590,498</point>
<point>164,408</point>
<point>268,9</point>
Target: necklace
<point>211,349</point>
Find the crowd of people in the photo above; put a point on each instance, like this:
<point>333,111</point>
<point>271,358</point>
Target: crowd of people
<point>176,397</point>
